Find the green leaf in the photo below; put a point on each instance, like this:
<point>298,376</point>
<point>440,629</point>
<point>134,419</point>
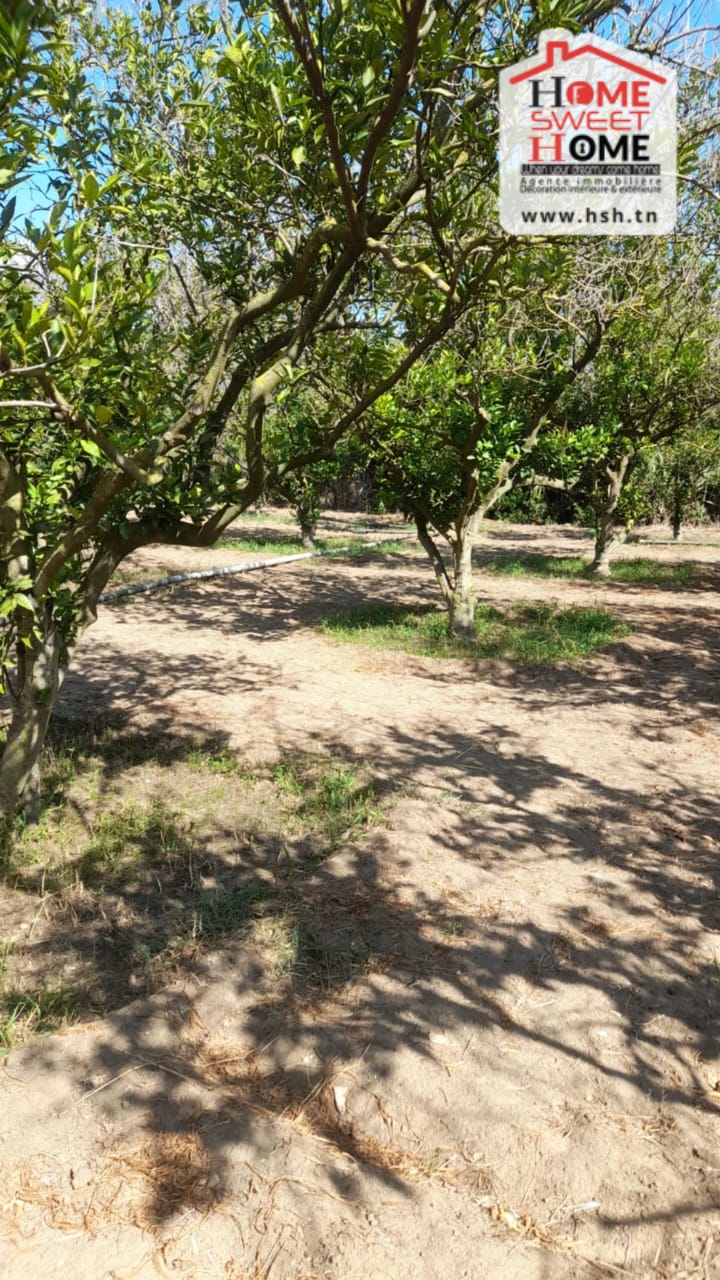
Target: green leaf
<point>298,155</point>
<point>276,98</point>
<point>90,448</point>
<point>103,413</point>
<point>234,55</point>
<point>7,215</point>
<point>17,601</point>
<point>90,188</point>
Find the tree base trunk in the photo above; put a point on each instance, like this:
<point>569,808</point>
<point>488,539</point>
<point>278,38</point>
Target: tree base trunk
<point>601,567</point>
<point>462,607</point>
<point>605,544</point>
<point>307,519</point>
<point>38,678</point>
<point>608,532</point>
<point>462,618</point>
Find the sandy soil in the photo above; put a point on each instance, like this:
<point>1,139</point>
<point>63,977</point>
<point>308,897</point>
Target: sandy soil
<point>523,1081</point>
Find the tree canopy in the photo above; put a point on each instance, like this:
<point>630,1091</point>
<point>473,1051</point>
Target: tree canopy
<point>193,205</point>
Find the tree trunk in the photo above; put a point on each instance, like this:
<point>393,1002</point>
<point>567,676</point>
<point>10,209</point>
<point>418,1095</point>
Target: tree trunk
<point>308,525</point>
<point>462,605</point>
<point>457,590</point>
<point>677,504</point>
<point>434,555</point>
<point>41,667</point>
<point>607,539</point>
<point>607,535</point>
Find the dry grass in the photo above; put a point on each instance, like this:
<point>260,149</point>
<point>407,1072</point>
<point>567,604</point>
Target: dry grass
<point>315,1112</point>
<point>146,1183</point>
<point>628,930</point>
<point>530,1228</point>
<point>547,1235</point>
<point>138,1184</point>
<point>163,1175</point>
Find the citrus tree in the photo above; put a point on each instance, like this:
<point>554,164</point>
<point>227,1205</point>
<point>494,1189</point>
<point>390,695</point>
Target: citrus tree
<point>277,176</point>
<point>653,384</point>
<point>682,473</point>
<point>455,435</point>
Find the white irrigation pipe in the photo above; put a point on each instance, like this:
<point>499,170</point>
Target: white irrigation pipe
<point>247,567</point>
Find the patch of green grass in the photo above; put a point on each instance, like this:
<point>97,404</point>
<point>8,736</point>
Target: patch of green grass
<point>144,863</point>
<point>340,801</point>
<point>126,840</point>
<point>638,572</point>
<point>527,633</point>
<point>22,845</point>
<point>390,547</point>
<point>39,1012</point>
<point>270,545</point>
<point>653,573</point>
<point>334,801</point>
<point>222,762</point>
<point>224,910</point>
<point>336,541</point>
<point>286,777</point>
<point>532,564</point>
<point>396,544</point>
<point>75,751</point>
<point>124,845</point>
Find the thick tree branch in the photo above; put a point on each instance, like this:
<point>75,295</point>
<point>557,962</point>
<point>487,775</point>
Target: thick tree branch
<point>308,57</point>
<point>547,482</point>
<point>26,404</point>
<point>14,546</point>
<point>435,556</point>
<point>412,268</point>
<point>507,468</point>
<point>418,22</point>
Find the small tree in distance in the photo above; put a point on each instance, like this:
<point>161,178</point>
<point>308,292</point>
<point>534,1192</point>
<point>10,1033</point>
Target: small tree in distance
<point>653,383</point>
<point>454,437</point>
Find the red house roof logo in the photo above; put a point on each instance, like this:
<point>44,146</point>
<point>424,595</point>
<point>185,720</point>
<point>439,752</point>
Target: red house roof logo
<point>566,54</point>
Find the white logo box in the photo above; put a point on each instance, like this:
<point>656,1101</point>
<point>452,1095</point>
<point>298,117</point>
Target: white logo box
<point>588,140</point>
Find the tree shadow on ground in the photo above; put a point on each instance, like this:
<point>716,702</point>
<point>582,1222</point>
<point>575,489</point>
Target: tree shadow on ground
<point>149,665</point>
<point>670,683</point>
<point>155,869</point>
<point>375,963</point>
<point>630,574</point>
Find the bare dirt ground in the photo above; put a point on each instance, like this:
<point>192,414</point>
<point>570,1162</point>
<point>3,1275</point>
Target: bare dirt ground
<point>519,1078</point>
